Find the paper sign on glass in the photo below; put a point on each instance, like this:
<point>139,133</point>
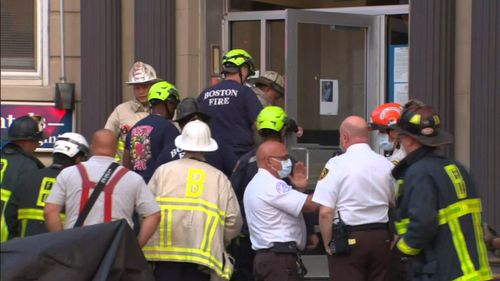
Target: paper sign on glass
<point>329,97</point>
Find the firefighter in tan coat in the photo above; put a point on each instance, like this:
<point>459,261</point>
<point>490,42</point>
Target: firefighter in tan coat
<point>141,77</point>
<point>200,213</point>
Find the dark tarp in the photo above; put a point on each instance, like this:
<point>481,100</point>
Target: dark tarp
<point>97,252</point>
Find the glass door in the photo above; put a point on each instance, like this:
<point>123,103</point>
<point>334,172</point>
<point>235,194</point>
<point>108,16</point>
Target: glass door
<point>333,65</point>
<point>333,69</point>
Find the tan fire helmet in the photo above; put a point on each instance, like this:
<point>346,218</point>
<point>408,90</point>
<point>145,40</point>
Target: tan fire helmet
<point>271,79</point>
<point>141,73</point>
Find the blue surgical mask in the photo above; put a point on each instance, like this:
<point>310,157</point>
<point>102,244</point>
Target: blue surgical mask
<point>384,142</point>
<point>286,168</point>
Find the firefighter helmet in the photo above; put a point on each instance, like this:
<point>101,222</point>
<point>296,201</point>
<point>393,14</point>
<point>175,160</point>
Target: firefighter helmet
<point>27,128</point>
<point>196,136</point>
<point>163,91</point>
<point>189,107</point>
<point>70,144</point>
<point>385,115</point>
<point>235,59</point>
<point>271,117</point>
<point>271,79</point>
<point>141,73</point>
<point>423,124</point>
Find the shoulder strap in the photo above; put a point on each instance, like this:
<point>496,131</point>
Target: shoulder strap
<point>108,191</point>
<point>87,185</point>
<point>97,190</point>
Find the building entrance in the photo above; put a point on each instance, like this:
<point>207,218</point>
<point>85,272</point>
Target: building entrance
<point>334,63</point>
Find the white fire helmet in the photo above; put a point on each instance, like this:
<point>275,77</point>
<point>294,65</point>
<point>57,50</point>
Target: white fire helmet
<point>196,136</point>
<point>70,144</point>
<point>141,73</point>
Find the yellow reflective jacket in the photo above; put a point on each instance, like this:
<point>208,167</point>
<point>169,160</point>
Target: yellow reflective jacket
<point>15,165</point>
<point>439,219</point>
<point>200,215</point>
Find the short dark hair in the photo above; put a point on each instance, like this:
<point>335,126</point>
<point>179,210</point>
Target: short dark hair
<point>268,133</point>
<point>65,160</point>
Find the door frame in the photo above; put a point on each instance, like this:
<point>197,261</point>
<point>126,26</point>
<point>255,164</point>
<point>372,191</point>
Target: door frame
<point>365,17</point>
<point>374,57</point>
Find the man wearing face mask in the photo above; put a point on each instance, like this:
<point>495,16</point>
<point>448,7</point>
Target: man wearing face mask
<point>382,117</point>
<point>274,216</point>
<point>355,190</point>
<point>272,124</point>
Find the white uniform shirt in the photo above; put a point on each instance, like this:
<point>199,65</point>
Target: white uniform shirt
<point>357,183</point>
<point>273,211</point>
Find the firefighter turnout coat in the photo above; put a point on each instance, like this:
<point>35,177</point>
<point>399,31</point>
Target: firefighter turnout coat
<point>123,118</point>
<point>200,216</point>
<point>439,219</point>
<point>24,210</point>
<point>15,165</point>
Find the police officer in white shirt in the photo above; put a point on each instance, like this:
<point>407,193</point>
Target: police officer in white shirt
<point>358,187</point>
<point>274,215</point>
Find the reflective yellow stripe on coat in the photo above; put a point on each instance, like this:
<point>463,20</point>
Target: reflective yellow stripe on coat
<point>25,214</point>
<point>166,250</point>
<point>4,231</point>
<point>450,216</point>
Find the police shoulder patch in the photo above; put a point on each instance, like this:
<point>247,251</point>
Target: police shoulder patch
<point>282,187</point>
<point>323,173</point>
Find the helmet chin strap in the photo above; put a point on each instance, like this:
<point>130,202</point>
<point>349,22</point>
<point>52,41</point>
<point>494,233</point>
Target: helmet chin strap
<point>165,104</point>
<point>241,76</point>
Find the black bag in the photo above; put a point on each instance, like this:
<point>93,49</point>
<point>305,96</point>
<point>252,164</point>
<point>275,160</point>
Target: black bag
<point>340,242</point>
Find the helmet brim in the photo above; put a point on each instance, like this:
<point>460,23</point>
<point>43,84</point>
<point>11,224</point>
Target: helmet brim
<point>441,138</point>
<point>232,68</point>
<point>204,117</point>
<point>152,81</point>
<point>374,127</point>
<point>37,137</point>
<point>212,146</point>
<point>269,83</point>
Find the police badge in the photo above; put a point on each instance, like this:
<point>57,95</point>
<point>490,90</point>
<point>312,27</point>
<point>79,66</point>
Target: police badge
<point>323,173</point>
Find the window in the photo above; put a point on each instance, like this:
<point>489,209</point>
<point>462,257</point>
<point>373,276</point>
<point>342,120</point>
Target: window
<point>24,53</point>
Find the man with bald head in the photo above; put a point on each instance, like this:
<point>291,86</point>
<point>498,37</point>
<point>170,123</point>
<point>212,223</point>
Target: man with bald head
<point>124,192</point>
<point>274,216</point>
<point>355,189</point>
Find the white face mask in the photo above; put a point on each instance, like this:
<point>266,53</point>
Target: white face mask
<point>384,143</point>
<point>286,168</point>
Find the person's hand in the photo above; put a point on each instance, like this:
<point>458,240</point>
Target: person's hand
<point>299,177</point>
<point>327,249</point>
<point>312,241</point>
<point>394,241</point>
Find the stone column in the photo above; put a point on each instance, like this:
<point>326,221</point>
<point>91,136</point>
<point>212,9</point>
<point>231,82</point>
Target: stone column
<point>101,62</point>
<point>432,57</point>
